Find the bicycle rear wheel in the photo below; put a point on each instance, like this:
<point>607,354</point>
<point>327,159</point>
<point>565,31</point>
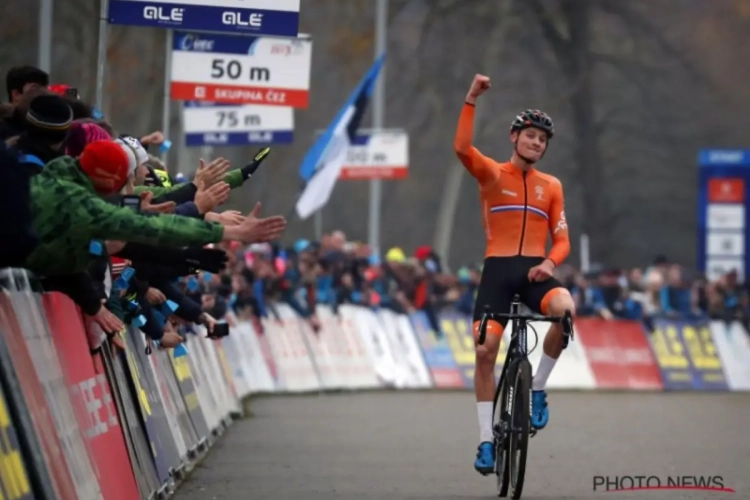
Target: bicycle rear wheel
<point>500,427</point>
<point>520,425</point>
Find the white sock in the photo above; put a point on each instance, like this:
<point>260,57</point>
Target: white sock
<point>484,411</point>
<point>546,364</point>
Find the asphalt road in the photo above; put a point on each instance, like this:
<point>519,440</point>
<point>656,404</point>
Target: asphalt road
<point>421,445</point>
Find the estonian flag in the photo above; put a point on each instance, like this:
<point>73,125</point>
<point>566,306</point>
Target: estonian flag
<point>323,162</point>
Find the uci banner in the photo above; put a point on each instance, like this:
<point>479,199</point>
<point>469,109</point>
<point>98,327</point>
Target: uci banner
<point>687,356</point>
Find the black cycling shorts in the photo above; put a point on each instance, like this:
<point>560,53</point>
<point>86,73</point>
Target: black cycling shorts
<point>504,277</point>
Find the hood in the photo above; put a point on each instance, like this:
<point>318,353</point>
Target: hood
<point>67,169</point>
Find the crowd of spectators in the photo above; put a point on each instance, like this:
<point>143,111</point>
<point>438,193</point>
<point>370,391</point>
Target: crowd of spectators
<point>335,271</point>
<point>90,213</point>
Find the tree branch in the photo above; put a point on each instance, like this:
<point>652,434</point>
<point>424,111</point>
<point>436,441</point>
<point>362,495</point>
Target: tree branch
<point>557,42</point>
<point>641,28</point>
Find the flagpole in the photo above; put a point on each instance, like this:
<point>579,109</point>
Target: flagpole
<point>101,54</point>
<point>318,224</point>
<point>45,35</point>
<point>378,110</point>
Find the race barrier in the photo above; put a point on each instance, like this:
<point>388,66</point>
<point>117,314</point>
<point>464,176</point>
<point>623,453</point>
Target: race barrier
<point>129,423</point>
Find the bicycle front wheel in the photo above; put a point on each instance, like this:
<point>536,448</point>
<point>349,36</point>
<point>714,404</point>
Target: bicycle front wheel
<point>520,425</point>
<point>500,425</point>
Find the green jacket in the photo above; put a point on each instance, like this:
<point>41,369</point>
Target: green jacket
<point>181,193</point>
<point>67,214</point>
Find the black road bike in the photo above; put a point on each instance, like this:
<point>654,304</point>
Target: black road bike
<point>511,413</point>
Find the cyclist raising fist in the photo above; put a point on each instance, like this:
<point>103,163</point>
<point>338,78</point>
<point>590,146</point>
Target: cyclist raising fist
<point>521,206</point>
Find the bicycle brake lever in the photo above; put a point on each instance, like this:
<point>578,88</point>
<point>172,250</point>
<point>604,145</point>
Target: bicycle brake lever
<point>567,324</point>
<point>483,326</point>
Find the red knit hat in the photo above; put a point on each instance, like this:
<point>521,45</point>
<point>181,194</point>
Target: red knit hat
<point>106,164</point>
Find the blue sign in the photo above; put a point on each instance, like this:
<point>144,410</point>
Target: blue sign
<point>724,157</point>
<point>238,138</point>
<point>687,356</point>
<point>723,191</point>
<point>221,44</point>
<point>264,17</point>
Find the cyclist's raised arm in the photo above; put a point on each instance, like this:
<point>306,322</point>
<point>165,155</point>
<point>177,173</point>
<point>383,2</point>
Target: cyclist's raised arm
<point>475,162</point>
<point>558,225</point>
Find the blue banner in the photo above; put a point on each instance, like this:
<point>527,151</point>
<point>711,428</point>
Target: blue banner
<point>687,356</point>
<point>723,191</point>
<point>437,354</point>
<point>239,138</point>
<point>213,15</point>
<point>458,330</point>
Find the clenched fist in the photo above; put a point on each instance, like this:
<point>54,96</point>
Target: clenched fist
<point>479,86</point>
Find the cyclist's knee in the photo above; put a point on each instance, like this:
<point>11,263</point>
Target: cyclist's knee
<point>557,301</point>
<point>486,354</point>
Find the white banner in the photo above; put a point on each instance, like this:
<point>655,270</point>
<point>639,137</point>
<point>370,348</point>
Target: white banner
<point>378,155</point>
<point>241,70</point>
<point>572,370</point>
<point>733,344</point>
<point>209,124</point>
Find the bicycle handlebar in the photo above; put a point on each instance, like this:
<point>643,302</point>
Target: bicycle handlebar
<point>566,320</point>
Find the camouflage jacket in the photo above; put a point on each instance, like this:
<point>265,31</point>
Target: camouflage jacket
<point>181,193</point>
<point>67,214</point>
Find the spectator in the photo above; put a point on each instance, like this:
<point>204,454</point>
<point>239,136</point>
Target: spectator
<point>103,170</point>
<point>675,297</point>
<point>15,198</point>
<point>19,81</point>
<point>47,120</point>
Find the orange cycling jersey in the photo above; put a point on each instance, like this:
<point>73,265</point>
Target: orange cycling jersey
<point>519,209</point>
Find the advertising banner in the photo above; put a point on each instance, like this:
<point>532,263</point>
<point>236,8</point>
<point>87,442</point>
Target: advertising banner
<point>363,371</point>
<point>241,70</point>
<point>35,401</point>
<point>458,331</point>
<point>405,348</point>
<point>377,345</point>
<point>184,376</point>
<point>293,362</point>
<point>92,399</point>
<point>47,365</point>
<point>377,155</point>
<point>687,356</point>
<point>166,442</point>
<point>211,124</point>
<point>14,480</point>
<point>258,17</point>
<point>437,354</point>
<point>572,370</point>
<point>733,344</point>
<point>618,354</point>
<point>137,442</point>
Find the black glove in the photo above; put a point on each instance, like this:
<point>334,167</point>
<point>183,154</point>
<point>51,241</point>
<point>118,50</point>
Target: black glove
<point>206,259</point>
<point>249,169</point>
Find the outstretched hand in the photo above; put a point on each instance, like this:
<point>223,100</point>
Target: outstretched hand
<point>255,229</point>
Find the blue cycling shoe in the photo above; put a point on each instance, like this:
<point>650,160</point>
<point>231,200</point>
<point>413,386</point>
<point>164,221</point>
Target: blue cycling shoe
<point>539,409</point>
<point>485,462</point>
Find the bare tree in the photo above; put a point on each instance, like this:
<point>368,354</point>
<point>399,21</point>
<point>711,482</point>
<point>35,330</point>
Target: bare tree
<point>639,58</point>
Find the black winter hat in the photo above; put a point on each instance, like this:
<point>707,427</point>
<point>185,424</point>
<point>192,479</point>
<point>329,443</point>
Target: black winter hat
<point>49,119</point>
